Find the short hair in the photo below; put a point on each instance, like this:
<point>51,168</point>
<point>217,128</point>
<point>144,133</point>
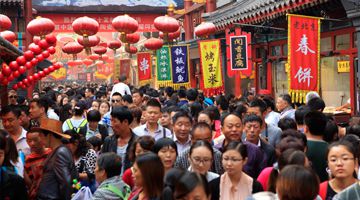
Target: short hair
<point>316,122</point>
<point>41,102</point>
<point>239,147</point>
<point>181,114</point>
<point>297,182</point>
<point>146,142</point>
<point>181,93</point>
<point>287,123</point>
<point>227,115</point>
<point>153,103</point>
<point>258,103</point>
<point>116,94</point>
<point>286,98</point>
<point>316,104</point>
<point>127,98</point>
<point>331,131</point>
<point>122,113</point>
<point>300,114</point>
<point>138,91</point>
<point>10,108</point>
<point>164,142</point>
<point>93,116</point>
<point>111,163</point>
<point>215,112</point>
<point>95,142</point>
<point>92,90</point>
<point>192,94</point>
<point>222,102</point>
<point>269,102</point>
<point>200,125</point>
<point>169,91</point>
<point>310,95</point>
<point>252,118</point>
<point>136,112</point>
<point>195,109</point>
<point>354,129</point>
<point>292,139</point>
<point>122,78</point>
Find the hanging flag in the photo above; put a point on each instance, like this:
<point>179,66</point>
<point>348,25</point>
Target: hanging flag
<point>144,64</point>
<point>59,74</point>
<point>180,65</point>
<point>303,55</point>
<point>163,67</point>
<point>125,67</point>
<point>239,54</point>
<point>211,66</point>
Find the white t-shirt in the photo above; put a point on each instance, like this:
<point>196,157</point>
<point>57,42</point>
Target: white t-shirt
<point>121,88</point>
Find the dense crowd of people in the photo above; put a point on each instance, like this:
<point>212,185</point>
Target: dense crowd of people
<point>123,142</point>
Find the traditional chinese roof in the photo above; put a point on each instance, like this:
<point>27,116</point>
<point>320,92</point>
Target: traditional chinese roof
<point>8,52</point>
<point>256,11</point>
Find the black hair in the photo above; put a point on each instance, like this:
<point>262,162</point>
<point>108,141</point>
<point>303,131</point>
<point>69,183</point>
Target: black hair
<point>237,146</point>
<point>10,108</point>
<point>222,102</point>
<point>95,142</point>
<point>316,104</point>
<point>354,129</point>
<point>287,123</point>
<point>240,109</point>
<point>153,103</point>
<point>316,122</point>
<point>252,118</point>
<point>258,103</point>
<point>122,113</point>
<point>42,103</point>
<point>122,78</point>
<point>181,114</point>
<point>215,112</point>
<point>111,163</point>
<point>188,182</point>
<point>169,91</point>
<point>146,142</point>
<point>116,94</point>
<point>300,114</point>
<point>269,102</point>
<point>195,109</point>
<point>82,147</point>
<point>4,147</point>
<point>192,94</point>
<point>164,142</point>
<point>202,143</point>
<point>127,98</point>
<point>65,112</point>
<point>200,125</point>
<point>182,93</point>
<point>90,89</point>
<point>331,131</point>
<point>289,136</point>
<point>138,91</point>
<point>93,116</point>
<point>24,108</point>
<point>136,112</point>
<point>227,115</point>
<point>79,108</point>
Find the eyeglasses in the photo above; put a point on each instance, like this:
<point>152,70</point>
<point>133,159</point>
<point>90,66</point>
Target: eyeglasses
<point>198,160</point>
<point>12,97</point>
<point>115,100</point>
<point>342,160</point>
<point>233,160</point>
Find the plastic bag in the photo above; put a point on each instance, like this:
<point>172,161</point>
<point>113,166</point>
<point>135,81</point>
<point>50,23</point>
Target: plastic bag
<point>83,194</point>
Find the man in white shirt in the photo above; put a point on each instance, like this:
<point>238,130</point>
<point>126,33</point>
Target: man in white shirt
<point>10,120</point>
<point>121,87</point>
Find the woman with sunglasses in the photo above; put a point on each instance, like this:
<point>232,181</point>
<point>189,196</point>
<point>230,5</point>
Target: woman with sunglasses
<point>234,184</point>
<point>342,161</point>
<point>201,158</point>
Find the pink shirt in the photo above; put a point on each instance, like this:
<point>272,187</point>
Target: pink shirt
<point>263,178</point>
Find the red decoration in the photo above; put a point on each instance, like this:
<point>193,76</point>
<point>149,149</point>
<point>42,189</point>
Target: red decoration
<point>40,26</point>
<point>72,48</point>
<point>170,36</point>
<point>132,38</point>
<point>105,57</point>
<point>99,50</point>
<point>30,78</point>
<point>22,69</point>
<point>6,71</point>
<point>204,29</point>
<point>114,44</point>
<point>34,61</point>
<point>5,81</point>
<point>144,66</point>
<point>125,24</point>
<point>43,44</point>
<point>8,35</point>
<point>58,65</point>
<point>29,55</point>
<point>153,44</point>
<point>87,62</point>
<point>51,39</point>
<point>131,50</point>
<point>16,74</point>
<point>25,81</point>
<point>78,62</point>
<point>51,68</point>
<point>10,78</point>
<point>42,74</point>
<point>166,24</point>
<point>94,57</point>
<point>21,60</point>
<point>15,86</point>
<point>28,65</point>
<point>51,50</point>
<point>46,54</point>
<point>36,76</point>
<point>13,65</point>
<point>35,48</point>
<point>85,26</point>
<point>5,22</point>
<point>36,39</point>
<point>92,41</point>
<point>40,57</point>
<point>46,71</point>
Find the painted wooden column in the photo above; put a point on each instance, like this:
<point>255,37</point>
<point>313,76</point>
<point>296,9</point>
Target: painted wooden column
<point>210,5</point>
<point>188,24</point>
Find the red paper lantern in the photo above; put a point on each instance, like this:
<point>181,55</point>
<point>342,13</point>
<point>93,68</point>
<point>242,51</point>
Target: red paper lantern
<point>21,60</point>
<point>46,54</point>
<point>131,50</point>
<point>22,69</point>
<point>166,24</point>
<point>51,39</point>
<point>5,22</point>
<point>28,65</point>
<point>78,62</point>
<point>58,65</point>
<point>36,39</point>
<point>132,38</point>
<point>125,24</point>
<point>85,26</point>
<point>87,62</point>
<point>114,44</point>
<point>22,85</point>
<point>153,44</point>
<point>8,35</point>
<point>51,50</point>
<point>99,50</point>
<point>35,48</point>
<point>36,76</point>
<point>72,48</point>
<point>10,78</point>
<point>40,26</point>
<point>30,78</point>
<point>205,29</point>
<point>16,74</point>
<point>46,71</point>
<point>99,63</point>
<point>15,86</point>
<point>29,55</point>
<point>94,57</point>
<point>6,71</point>
<point>13,65</point>
<point>40,57</point>
<point>26,81</point>
<point>170,36</point>
<point>42,74</point>
<point>71,63</point>
<point>92,41</point>
<point>51,68</point>
<point>43,44</point>
<point>34,61</point>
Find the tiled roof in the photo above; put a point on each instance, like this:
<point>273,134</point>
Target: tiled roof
<point>255,11</point>
<point>10,1</point>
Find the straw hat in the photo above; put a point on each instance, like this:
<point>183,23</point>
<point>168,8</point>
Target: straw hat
<point>53,126</point>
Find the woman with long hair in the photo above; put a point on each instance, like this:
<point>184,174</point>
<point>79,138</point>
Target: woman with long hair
<point>166,149</point>
<point>148,172</point>
<point>342,162</point>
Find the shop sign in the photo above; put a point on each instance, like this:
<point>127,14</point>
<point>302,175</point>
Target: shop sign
<point>238,52</point>
<point>343,66</point>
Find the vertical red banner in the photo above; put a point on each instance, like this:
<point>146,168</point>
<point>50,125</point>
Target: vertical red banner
<point>303,55</point>
<point>125,67</point>
<point>144,64</point>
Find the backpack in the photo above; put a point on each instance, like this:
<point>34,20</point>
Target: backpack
<point>124,195</point>
<point>77,129</point>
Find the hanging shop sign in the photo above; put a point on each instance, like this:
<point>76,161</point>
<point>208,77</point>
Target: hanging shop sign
<point>180,65</point>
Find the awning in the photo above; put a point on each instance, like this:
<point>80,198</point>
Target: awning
<point>256,11</point>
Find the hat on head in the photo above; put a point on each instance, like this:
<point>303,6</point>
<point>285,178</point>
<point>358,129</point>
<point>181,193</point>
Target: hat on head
<point>51,125</point>
<point>208,102</point>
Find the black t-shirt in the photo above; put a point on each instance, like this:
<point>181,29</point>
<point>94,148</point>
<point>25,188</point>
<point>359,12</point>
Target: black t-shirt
<point>330,193</point>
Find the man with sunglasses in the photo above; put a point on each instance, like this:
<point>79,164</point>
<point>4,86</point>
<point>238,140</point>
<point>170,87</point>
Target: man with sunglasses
<point>116,101</point>
<point>12,97</point>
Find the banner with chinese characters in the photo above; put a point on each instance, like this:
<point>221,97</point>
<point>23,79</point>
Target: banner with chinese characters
<point>303,56</point>
<point>180,65</point>
<point>211,66</point>
<point>144,64</point>
<point>163,67</point>
<point>238,53</point>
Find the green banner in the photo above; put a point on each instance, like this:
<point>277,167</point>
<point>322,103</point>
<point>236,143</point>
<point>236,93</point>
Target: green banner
<point>163,64</point>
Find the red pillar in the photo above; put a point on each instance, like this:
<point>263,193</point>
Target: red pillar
<point>188,24</point>
<point>210,5</point>
<point>28,40</point>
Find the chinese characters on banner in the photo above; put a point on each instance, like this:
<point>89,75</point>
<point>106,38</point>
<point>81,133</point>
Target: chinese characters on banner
<point>125,67</point>
<point>303,55</point>
<point>238,52</point>
<point>211,66</point>
<point>180,65</point>
<point>144,64</point>
<point>163,67</point>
